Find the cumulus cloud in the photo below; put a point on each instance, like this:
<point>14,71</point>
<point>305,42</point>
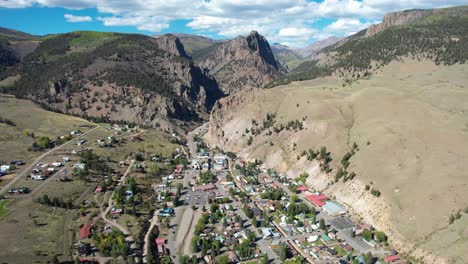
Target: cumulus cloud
<point>73,19</point>
<point>347,26</point>
<point>278,20</point>
<point>295,32</point>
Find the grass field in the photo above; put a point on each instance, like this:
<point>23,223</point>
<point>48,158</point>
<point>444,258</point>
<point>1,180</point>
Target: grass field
<point>3,209</point>
<point>30,117</point>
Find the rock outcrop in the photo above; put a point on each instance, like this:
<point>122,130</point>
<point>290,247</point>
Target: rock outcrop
<point>409,16</point>
<point>396,19</point>
<point>172,45</point>
<point>132,78</point>
<point>243,62</point>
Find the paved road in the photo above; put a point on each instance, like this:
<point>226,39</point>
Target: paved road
<point>37,160</point>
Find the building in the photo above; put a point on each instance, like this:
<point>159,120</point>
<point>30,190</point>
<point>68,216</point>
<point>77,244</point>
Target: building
<point>85,231</point>
<point>204,188</point>
<point>317,199</point>
<point>301,189</point>
<point>390,259</point>
<point>160,240</point>
<point>361,227</point>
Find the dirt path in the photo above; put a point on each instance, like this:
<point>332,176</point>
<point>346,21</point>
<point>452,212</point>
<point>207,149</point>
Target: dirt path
<point>111,203</point>
<point>154,222</point>
<point>37,160</point>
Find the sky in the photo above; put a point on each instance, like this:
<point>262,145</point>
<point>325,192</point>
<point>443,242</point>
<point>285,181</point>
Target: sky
<point>295,23</point>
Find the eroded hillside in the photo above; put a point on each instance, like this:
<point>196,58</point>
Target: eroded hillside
<point>409,122</point>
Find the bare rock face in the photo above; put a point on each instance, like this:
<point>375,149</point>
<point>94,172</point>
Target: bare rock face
<point>144,83</point>
<point>396,19</point>
<point>408,16</point>
<point>172,45</point>
<point>243,62</point>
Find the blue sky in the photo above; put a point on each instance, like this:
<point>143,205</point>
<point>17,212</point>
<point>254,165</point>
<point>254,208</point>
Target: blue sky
<point>294,23</point>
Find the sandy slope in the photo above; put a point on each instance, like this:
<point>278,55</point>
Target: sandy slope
<point>415,117</point>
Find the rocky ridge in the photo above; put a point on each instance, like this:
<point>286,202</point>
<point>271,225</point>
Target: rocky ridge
<point>243,62</point>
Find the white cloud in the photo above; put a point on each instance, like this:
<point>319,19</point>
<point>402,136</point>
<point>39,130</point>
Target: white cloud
<point>73,19</point>
<point>347,26</point>
<point>295,32</point>
<point>279,20</point>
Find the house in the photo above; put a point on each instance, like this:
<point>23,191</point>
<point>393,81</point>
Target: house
<point>160,240</point>
<point>332,251</point>
<point>301,189</point>
<point>56,164</point>
<point>99,189</point>
<point>75,133</point>
<point>85,231</point>
<point>275,244</point>
<point>80,166</point>
<point>390,259</point>
<point>317,199</point>
<point>66,159</point>
<point>266,233</point>
<point>325,239</point>
<point>361,227</point>
<point>80,142</point>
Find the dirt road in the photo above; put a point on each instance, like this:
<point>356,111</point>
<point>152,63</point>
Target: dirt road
<point>37,160</point>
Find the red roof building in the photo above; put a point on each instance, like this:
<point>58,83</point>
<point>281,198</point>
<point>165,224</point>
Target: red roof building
<point>318,200</point>
<point>85,231</point>
<point>204,188</point>
<point>393,258</point>
<point>160,240</point>
<point>301,189</point>
<point>99,189</point>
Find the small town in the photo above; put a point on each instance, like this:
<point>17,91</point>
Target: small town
<point>210,207</point>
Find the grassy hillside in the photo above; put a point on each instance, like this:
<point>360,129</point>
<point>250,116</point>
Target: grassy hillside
<point>440,38</point>
<point>287,57</point>
<point>202,54</point>
<point>194,43</point>
<point>14,35</point>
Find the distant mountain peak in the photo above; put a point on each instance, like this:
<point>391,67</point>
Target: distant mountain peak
<point>242,62</point>
<point>171,44</point>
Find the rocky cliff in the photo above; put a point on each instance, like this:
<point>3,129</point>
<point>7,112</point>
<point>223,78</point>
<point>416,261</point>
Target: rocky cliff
<point>409,16</point>
<point>172,45</point>
<point>396,19</point>
<point>131,78</point>
<point>242,62</point>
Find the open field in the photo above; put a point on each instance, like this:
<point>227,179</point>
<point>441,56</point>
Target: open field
<point>30,117</point>
<point>3,209</point>
<point>410,124</point>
